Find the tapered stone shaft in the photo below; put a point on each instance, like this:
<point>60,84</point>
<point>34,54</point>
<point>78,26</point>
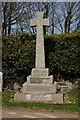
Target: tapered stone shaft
<point>40,54</point>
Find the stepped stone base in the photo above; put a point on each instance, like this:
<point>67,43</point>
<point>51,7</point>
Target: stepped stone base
<point>38,92</point>
<point>53,98</point>
<point>42,79</point>
<point>39,87</point>
<point>30,88</point>
<point>40,76</point>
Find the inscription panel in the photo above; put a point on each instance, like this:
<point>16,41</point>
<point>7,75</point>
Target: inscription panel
<point>35,80</point>
<point>39,88</point>
<point>40,72</point>
<point>41,97</point>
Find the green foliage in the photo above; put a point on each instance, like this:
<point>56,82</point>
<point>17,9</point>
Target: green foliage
<point>62,56</point>
<point>26,36</point>
<point>18,59</point>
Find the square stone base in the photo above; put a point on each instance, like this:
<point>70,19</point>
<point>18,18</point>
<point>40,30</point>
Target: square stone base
<point>42,79</point>
<point>54,98</point>
<point>40,76</point>
<point>29,88</point>
<point>39,72</point>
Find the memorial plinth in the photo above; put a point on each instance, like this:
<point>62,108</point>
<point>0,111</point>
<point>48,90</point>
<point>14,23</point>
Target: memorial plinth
<point>40,76</point>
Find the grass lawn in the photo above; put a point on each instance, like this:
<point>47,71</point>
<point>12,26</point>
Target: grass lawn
<point>7,96</point>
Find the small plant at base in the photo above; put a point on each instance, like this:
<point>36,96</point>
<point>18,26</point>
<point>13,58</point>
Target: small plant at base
<point>51,109</point>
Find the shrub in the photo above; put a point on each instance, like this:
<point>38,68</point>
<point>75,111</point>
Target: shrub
<point>62,54</point>
<point>18,59</point>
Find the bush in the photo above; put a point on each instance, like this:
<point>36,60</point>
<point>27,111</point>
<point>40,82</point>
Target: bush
<point>62,54</point>
<point>18,59</point>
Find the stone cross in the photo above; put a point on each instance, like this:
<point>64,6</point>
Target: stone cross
<point>40,22</point>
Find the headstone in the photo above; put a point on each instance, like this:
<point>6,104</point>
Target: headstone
<point>65,86</point>
<point>39,85</point>
<point>17,87</point>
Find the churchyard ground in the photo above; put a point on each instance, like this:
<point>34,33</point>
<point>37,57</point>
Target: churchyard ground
<point>8,96</point>
<point>15,109</point>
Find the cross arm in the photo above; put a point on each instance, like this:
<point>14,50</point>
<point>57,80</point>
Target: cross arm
<point>32,22</point>
<point>46,22</point>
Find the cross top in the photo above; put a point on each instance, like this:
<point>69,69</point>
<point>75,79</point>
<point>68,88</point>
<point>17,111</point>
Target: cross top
<point>40,22</point>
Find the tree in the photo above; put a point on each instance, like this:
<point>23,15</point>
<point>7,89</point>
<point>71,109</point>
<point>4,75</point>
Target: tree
<point>4,19</point>
<point>11,12</point>
<point>68,18</point>
<point>52,8</point>
<point>30,12</point>
<point>64,17</point>
<point>78,26</point>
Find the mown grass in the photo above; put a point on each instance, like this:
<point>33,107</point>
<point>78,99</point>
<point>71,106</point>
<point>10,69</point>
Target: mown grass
<point>6,97</point>
<point>73,94</point>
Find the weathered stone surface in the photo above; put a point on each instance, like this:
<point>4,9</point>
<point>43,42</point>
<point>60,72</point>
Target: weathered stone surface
<point>54,98</point>
<point>39,22</point>
<point>42,97</point>
<point>31,97</point>
<point>64,89</point>
<point>66,98</point>
<point>42,79</point>
<point>39,85</point>
<point>40,72</point>
<point>39,88</point>
<point>16,86</point>
<point>19,97</point>
<point>57,98</point>
<point>35,80</point>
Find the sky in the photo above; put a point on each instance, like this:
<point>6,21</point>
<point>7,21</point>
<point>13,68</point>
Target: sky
<point>40,0</point>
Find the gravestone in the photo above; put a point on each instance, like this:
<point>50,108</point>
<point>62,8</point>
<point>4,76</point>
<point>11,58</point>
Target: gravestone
<point>16,87</point>
<point>39,85</point>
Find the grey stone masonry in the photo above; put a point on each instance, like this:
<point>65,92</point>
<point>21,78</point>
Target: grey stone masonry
<point>40,74</point>
<point>52,98</point>
<point>45,79</point>
<point>39,88</point>
<point>39,85</point>
<point>40,55</point>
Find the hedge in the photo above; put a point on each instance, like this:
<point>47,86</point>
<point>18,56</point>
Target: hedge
<point>62,53</point>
